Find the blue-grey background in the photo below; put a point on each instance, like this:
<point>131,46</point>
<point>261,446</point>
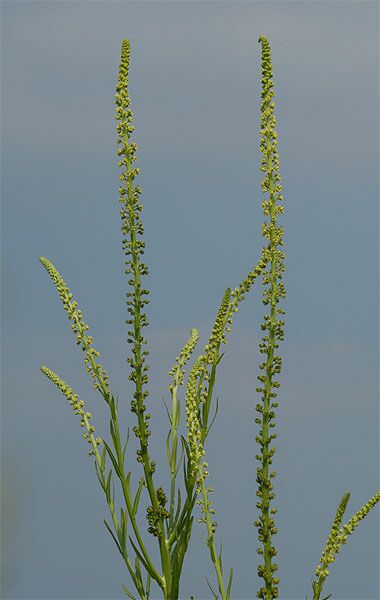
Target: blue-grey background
<point>195,87</point>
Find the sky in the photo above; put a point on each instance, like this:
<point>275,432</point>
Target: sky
<point>195,90</point>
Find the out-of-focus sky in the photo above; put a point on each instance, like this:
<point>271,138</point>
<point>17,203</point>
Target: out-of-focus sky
<point>195,89</point>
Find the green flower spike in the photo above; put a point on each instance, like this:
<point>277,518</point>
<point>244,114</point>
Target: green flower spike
<point>337,538</point>
<point>272,294</point>
<point>177,373</point>
<point>132,229</point>
<point>78,409</point>
<point>95,369</point>
<point>199,467</point>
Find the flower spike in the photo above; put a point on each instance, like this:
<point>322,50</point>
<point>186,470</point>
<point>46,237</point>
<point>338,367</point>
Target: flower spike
<point>272,294</point>
<point>94,368</point>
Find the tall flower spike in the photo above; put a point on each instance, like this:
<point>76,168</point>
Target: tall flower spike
<point>132,228</point>
<point>94,368</point>
<point>272,294</point>
<point>78,409</point>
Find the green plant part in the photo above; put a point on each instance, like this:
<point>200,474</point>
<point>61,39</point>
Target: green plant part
<point>170,516</point>
<point>272,324</point>
<point>337,538</point>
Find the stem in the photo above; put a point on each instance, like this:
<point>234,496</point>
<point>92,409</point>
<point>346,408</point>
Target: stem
<point>210,541</point>
<point>173,455</point>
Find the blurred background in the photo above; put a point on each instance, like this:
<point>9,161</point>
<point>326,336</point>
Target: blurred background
<point>195,88</point>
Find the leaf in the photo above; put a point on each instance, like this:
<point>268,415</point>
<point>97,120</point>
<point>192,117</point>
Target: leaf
<point>178,506</point>
<point>138,553</point>
<point>327,597</point>
<point>98,476</point>
<point>179,464</point>
<point>167,446</point>
<point>114,538</point>
<point>125,445</point>
<point>214,417</point>
<point>220,358</point>
<point>123,527</point>
<point>112,431</point>
<point>113,459</point>
<point>137,497</point>
<point>103,459</point>
<point>213,593</point>
<point>138,574</point>
<point>167,412</point>
<point>178,414</point>
<point>148,586</point>
<point>220,557</point>
<point>230,582</point>
<point>127,592</point>
<point>108,486</point>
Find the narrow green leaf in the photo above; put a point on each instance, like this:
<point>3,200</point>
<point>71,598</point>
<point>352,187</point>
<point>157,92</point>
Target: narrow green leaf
<point>213,593</point>
<point>112,431</point>
<point>114,538</point>
<point>138,553</point>
<point>108,486</point>
<point>220,358</point>
<point>123,527</point>
<point>167,411</point>
<point>113,459</point>
<point>138,574</point>
<point>137,497</point>
<point>128,593</point>
<point>230,582</point>
<point>168,454</point>
<point>103,459</point>
<point>179,464</point>
<point>220,557</point>
<point>178,414</point>
<point>148,579</point>
<point>214,417</point>
<point>99,477</point>
<point>126,443</point>
<point>178,505</point>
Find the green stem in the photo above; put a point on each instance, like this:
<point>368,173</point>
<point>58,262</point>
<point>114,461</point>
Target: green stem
<point>173,455</point>
<point>210,541</point>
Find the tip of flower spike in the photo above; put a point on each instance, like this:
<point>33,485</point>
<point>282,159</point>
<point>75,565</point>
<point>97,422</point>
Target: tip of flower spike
<point>44,261</point>
<point>262,38</point>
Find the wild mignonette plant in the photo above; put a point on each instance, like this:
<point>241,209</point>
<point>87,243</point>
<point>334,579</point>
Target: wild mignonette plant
<point>169,515</point>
